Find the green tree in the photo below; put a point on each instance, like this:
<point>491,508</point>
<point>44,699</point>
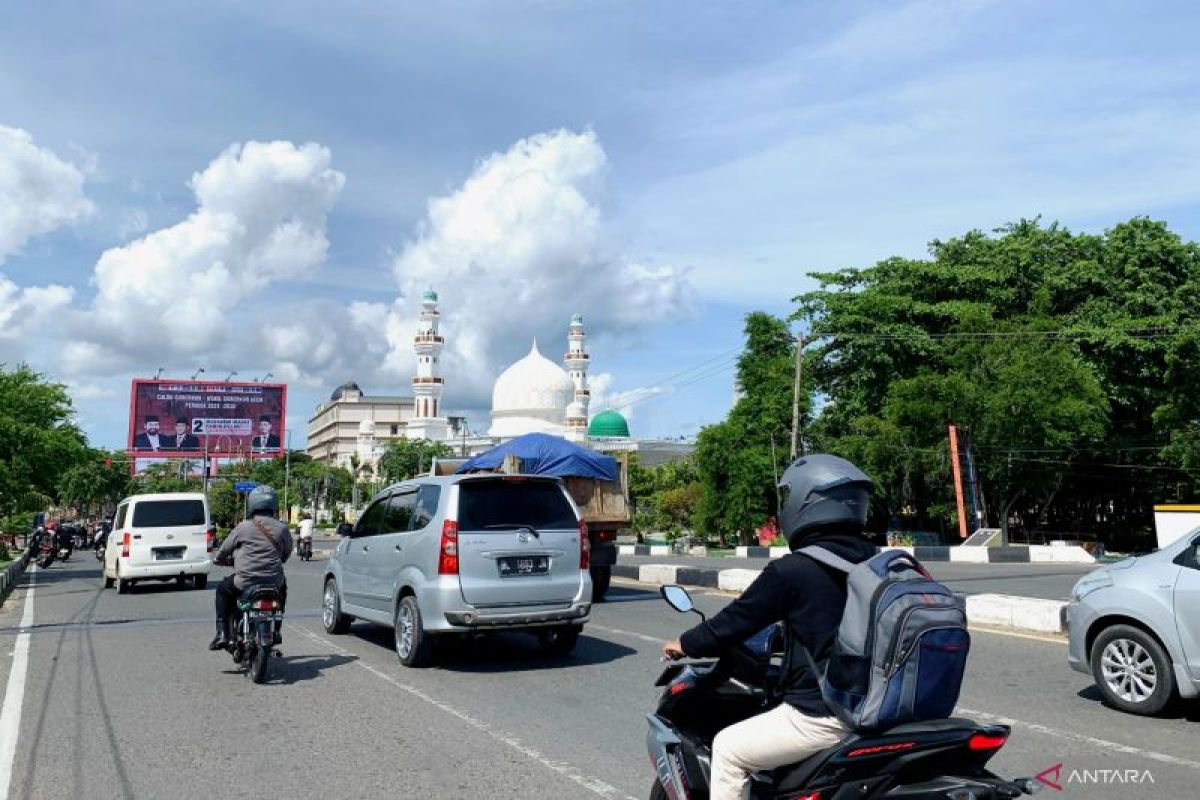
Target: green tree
<point>738,459</point>
<point>406,458</point>
<point>98,479</point>
<point>1070,358</point>
<point>38,439</point>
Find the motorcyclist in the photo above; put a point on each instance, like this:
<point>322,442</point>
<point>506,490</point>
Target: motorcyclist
<point>256,549</point>
<point>305,533</point>
<point>824,502</point>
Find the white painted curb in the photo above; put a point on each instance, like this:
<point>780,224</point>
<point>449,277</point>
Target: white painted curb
<point>657,574</point>
<point>625,549</point>
<point>969,555</point>
<point>1059,554</point>
<point>1018,613</point>
<point>736,580</point>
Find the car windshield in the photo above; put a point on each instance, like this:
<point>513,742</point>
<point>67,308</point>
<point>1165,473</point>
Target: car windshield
<point>168,513</point>
<point>502,504</point>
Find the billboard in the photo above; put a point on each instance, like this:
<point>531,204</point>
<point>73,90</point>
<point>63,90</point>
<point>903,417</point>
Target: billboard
<point>187,419</point>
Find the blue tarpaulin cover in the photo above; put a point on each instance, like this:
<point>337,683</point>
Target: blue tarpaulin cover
<point>543,454</point>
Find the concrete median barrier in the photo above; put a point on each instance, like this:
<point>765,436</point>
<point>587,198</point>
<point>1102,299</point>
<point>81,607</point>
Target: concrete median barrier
<point>1009,612</point>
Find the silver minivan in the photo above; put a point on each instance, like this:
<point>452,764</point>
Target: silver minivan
<point>462,554</point>
<point>1135,627</point>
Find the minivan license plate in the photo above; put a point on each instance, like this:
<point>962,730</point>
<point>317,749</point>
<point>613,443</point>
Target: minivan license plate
<point>516,566</point>
<point>168,553</point>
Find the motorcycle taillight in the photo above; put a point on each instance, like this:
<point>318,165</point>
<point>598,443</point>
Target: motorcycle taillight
<point>266,605</point>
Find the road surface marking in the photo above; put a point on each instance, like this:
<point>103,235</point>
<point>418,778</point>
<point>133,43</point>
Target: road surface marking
<point>1082,738</point>
<point>14,693</point>
<point>594,785</point>
<point>619,632</point>
<point>1018,635</point>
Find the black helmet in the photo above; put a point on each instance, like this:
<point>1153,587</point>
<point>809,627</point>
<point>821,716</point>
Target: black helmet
<point>262,500</point>
<point>822,491</point>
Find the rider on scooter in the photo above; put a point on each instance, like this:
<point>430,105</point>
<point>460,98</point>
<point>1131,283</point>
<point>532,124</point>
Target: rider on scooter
<point>824,501</point>
<point>256,548</point>
<point>306,534</point>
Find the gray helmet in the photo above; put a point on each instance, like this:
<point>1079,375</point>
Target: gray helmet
<point>822,491</point>
<point>262,500</point>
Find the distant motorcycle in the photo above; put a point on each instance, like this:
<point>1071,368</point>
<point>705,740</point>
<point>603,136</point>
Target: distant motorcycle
<point>65,550</point>
<point>45,553</point>
<point>304,549</point>
<point>259,611</point>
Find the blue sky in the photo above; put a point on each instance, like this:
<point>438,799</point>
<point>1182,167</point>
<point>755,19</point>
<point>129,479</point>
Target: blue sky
<point>718,150</point>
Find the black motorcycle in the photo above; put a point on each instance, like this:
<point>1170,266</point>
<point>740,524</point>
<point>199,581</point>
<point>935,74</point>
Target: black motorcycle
<point>259,613</point>
<point>941,759</point>
<point>46,553</point>
<point>304,549</point>
<point>65,549</point>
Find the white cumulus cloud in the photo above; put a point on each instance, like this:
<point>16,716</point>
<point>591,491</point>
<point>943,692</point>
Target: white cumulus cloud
<point>260,219</point>
<point>513,252</point>
<point>39,192</point>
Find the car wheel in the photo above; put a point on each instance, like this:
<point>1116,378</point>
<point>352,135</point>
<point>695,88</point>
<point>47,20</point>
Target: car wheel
<point>123,586</point>
<point>601,578</point>
<point>1132,670</point>
<point>108,582</point>
<point>331,610</point>
<point>200,581</point>
<point>558,641</point>
<point>181,581</point>
<point>413,645</point>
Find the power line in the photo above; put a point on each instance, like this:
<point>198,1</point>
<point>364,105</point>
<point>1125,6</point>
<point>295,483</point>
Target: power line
<point>1137,332</point>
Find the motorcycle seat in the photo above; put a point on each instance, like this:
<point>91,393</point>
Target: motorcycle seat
<point>796,776</point>
<point>252,593</point>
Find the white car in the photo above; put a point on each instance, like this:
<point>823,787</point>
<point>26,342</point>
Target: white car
<point>160,537</point>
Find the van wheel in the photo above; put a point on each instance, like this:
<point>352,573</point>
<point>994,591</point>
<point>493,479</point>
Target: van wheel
<point>331,610</point>
<point>181,581</point>
<point>200,581</point>
<point>123,586</point>
<point>1132,670</point>
<point>413,645</point>
<point>558,641</point>
<point>108,582</point>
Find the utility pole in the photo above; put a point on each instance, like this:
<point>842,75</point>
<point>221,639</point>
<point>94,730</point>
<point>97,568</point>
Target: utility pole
<point>797,449</point>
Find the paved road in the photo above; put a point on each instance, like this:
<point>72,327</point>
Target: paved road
<point>122,700</point>
<point>1049,581</point>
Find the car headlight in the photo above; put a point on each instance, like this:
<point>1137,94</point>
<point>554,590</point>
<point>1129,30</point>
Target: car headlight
<point>1089,584</point>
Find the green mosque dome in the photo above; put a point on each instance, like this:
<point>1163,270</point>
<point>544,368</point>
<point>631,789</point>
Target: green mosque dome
<point>608,425</point>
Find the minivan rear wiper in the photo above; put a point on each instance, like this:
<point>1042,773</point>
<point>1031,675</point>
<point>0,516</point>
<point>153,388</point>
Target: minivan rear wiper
<point>512,526</point>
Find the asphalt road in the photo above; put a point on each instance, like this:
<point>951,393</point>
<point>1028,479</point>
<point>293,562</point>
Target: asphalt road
<point>123,700</point>
<point>1048,581</point>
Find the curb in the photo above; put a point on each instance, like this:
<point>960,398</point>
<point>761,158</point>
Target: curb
<point>12,574</point>
<point>1014,554</point>
<point>1008,612</point>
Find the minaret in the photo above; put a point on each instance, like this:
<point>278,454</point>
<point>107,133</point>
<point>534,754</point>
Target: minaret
<point>427,421</point>
<point>576,362</point>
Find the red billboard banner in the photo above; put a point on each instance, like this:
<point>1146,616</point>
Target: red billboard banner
<point>185,419</point>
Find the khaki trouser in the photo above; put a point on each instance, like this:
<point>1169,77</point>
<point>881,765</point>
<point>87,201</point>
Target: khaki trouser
<point>781,736</point>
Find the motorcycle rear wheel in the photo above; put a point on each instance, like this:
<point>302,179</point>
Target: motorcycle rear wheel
<point>257,669</point>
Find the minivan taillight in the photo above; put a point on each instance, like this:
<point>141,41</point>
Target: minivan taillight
<point>448,551</point>
<point>210,536</point>
<point>126,539</point>
<point>585,547</point>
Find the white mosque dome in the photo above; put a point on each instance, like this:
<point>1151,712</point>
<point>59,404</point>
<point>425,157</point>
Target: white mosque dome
<point>531,396</point>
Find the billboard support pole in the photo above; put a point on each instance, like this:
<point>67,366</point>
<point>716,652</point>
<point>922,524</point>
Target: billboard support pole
<point>287,473</point>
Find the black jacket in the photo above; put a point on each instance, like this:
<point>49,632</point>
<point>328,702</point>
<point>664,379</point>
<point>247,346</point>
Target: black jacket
<point>809,596</point>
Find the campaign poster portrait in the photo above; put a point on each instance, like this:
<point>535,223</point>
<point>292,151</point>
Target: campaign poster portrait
<point>185,419</point>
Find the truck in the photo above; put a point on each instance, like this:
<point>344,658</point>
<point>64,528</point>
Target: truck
<point>603,504</point>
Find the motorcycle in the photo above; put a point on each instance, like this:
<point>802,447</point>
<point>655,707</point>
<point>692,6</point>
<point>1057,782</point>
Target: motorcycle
<point>100,551</point>
<point>46,552</point>
<point>259,613</point>
<point>943,758</point>
<point>304,549</point>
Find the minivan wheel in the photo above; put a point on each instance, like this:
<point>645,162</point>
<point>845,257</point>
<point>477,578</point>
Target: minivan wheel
<point>331,610</point>
<point>558,641</point>
<point>413,645</point>
<point>1132,670</point>
<point>108,582</point>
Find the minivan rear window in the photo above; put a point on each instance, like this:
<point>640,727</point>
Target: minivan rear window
<point>504,503</point>
<point>168,513</point>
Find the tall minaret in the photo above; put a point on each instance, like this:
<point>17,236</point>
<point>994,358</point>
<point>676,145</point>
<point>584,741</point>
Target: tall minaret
<point>427,421</point>
<point>576,362</point>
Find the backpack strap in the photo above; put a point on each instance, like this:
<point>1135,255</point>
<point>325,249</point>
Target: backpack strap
<point>257,523</point>
<point>826,557</point>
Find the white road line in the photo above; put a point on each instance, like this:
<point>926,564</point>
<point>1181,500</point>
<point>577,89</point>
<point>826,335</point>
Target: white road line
<point>619,632</point>
<point>1103,744</point>
<point>563,768</point>
<point>14,693</point>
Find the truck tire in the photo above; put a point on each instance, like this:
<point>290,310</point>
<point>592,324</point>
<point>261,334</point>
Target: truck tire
<point>601,578</point>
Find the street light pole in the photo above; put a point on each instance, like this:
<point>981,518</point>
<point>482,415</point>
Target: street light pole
<point>287,472</point>
<point>797,449</point>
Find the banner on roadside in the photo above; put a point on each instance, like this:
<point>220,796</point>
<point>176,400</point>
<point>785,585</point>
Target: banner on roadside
<point>188,419</point>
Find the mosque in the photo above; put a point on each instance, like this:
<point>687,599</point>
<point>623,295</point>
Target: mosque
<point>533,395</point>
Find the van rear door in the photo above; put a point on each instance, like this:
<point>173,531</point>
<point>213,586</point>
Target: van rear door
<point>518,541</point>
<point>166,531</point>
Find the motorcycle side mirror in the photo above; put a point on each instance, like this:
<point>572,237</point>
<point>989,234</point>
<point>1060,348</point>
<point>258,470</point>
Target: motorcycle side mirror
<point>345,529</point>
<point>677,597</point>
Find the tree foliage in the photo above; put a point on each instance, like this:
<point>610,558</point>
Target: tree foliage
<point>1070,358</point>
<point>738,459</point>
<point>406,458</point>
<point>38,439</point>
<point>96,481</point>
<point>664,496</point>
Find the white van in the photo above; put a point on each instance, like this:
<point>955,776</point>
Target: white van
<point>160,537</point>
